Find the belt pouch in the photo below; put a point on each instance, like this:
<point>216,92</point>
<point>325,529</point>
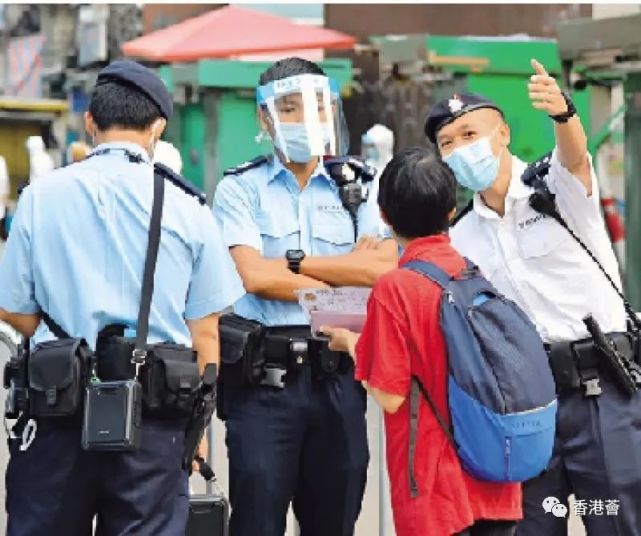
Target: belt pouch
<point>241,354</point>
<point>15,381</point>
<point>563,367</point>
<point>114,358</point>
<point>57,372</point>
<point>325,362</point>
<point>170,380</point>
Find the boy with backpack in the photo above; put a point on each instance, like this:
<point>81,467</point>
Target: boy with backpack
<point>462,425</point>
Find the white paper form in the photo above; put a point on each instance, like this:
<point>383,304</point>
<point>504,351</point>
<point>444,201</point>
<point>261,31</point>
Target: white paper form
<point>336,307</point>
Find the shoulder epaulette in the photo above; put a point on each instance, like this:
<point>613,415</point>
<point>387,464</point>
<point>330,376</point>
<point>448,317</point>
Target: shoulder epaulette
<point>180,182</point>
<point>537,170</point>
<point>246,166</point>
<point>466,210</point>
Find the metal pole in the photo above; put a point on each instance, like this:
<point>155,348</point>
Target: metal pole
<point>209,485</point>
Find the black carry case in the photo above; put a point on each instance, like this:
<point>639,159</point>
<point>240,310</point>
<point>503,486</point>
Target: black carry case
<point>209,512</point>
<point>208,515</point>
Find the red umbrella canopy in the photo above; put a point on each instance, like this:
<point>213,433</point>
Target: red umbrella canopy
<point>231,31</point>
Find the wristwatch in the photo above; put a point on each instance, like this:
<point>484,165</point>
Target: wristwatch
<point>571,112</point>
<point>294,258</point>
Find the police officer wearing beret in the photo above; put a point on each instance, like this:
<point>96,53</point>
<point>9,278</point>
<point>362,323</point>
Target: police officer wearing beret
<point>300,434</point>
<point>76,253</point>
<point>534,261</point>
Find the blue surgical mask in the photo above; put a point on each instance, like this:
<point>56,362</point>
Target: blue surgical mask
<point>474,165</point>
<point>296,139</point>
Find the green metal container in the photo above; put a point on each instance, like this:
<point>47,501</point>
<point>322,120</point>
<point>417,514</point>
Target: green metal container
<point>500,69</point>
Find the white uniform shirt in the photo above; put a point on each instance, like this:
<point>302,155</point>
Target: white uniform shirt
<point>532,260</point>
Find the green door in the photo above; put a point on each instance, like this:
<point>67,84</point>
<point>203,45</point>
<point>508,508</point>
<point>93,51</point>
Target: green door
<point>237,129</point>
<point>192,138</point>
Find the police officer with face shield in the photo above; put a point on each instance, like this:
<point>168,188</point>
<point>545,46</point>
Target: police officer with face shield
<point>523,228</point>
<point>296,421</point>
<point>73,270</point>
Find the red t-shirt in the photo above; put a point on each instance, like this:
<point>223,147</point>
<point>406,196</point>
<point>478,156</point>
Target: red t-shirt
<point>402,337</point>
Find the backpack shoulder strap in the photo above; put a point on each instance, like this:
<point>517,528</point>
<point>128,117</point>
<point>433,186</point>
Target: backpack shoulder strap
<point>470,266</point>
<point>431,271</point>
<point>416,390</point>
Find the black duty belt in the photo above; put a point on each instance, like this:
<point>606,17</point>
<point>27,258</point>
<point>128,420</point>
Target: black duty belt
<point>290,348</point>
<point>286,346</point>
<point>580,364</point>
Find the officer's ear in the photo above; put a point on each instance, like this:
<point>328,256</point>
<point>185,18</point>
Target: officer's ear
<point>504,132</point>
<point>90,125</point>
<point>265,122</point>
<point>158,127</point>
<point>451,215</point>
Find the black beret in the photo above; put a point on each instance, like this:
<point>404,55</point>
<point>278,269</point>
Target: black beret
<point>138,76</point>
<point>448,110</point>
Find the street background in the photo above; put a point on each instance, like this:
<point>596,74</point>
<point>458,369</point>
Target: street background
<point>392,64</point>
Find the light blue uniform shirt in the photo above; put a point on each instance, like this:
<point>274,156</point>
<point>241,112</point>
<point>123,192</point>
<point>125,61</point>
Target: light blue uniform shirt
<point>265,208</point>
<point>78,245</point>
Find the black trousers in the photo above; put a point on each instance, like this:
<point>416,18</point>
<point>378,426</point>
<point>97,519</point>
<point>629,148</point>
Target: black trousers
<point>55,487</point>
<point>597,456</point>
<point>306,443</point>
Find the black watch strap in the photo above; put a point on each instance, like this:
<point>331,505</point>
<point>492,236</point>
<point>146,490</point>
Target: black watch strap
<point>294,265</point>
<point>294,258</point>
<point>571,111</point>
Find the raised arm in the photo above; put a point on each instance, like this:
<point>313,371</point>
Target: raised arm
<point>571,141</point>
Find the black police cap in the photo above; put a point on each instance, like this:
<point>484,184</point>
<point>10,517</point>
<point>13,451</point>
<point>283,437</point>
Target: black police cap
<point>447,110</point>
<point>139,77</point>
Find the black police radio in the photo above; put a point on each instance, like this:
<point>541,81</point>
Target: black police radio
<point>350,174</point>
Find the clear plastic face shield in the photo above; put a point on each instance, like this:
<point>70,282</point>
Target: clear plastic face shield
<point>304,117</point>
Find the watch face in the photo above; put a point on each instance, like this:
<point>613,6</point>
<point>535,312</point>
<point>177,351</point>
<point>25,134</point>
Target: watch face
<point>295,255</point>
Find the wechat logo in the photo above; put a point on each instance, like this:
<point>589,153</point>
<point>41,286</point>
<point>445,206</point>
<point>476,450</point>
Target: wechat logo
<point>553,506</point>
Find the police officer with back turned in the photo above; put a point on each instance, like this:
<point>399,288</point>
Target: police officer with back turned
<point>538,234</point>
<point>295,416</point>
<point>71,280</point>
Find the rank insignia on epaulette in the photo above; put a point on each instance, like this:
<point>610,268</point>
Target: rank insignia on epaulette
<point>246,166</point>
<point>180,182</point>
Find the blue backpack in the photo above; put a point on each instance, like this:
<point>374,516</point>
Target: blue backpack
<point>501,392</point>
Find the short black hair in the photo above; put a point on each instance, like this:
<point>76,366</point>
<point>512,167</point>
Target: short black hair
<point>117,105</point>
<point>417,192</point>
<point>289,67</point>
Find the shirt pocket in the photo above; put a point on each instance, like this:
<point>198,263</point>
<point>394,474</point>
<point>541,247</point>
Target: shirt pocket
<point>277,235</point>
<point>541,239</point>
<point>333,233</point>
